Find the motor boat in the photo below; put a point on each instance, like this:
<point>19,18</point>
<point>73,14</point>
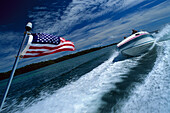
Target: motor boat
<point>136,44</point>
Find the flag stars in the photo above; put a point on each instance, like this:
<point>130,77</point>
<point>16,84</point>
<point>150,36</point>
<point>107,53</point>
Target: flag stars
<point>46,39</point>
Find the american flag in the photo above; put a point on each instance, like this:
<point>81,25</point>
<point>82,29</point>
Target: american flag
<point>40,44</point>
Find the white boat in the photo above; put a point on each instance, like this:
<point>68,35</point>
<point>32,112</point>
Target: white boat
<point>136,44</point>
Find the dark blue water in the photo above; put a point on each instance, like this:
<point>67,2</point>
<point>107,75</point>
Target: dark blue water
<point>53,77</point>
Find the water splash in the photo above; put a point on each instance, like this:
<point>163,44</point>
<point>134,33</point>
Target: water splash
<point>153,96</point>
<point>84,95</point>
<point>164,34</point>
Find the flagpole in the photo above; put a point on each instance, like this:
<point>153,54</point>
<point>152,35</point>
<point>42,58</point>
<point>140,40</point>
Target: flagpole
<point>28,28</point>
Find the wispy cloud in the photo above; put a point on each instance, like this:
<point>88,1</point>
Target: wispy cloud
<point>121,27</point>
<point>77,12</point>
<point>97,33</point>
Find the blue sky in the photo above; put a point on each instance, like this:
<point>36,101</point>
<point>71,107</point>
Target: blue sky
<point>87,23</point>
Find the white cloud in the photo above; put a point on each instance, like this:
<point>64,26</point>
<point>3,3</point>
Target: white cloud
<point>129,3</point>
<point>116,28</point>
<point>40,8</point>
<point>75,13</point>
<point>97,33</point>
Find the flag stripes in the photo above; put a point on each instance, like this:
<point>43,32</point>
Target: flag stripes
<point>41,49</point>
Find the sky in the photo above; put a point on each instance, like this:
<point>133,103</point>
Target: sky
<point>87,23</point>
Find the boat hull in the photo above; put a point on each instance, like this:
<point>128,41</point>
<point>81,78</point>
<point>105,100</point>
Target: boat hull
<point>136,45</point>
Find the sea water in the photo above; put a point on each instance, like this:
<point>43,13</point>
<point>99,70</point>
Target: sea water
<point>92,83</point>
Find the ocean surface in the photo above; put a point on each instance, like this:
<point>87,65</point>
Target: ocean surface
<point>92,83</point>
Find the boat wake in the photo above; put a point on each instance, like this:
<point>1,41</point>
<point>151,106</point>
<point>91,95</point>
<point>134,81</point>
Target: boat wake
<point>86,94</point>
<point>153,96</point>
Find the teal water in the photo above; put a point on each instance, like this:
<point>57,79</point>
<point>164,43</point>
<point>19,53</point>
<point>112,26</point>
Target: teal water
<point>53,77</point>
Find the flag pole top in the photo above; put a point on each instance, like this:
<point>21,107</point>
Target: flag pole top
<point>28,27</point>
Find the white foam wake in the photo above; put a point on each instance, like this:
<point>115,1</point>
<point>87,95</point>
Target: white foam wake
<point>83,95</point>
<point>154,95</point>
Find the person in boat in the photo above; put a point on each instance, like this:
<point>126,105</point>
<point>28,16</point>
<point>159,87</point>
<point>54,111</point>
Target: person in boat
<point>134,31</point>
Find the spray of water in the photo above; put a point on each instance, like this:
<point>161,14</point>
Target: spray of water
<point>153,96</point>
<point>84,95</point>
